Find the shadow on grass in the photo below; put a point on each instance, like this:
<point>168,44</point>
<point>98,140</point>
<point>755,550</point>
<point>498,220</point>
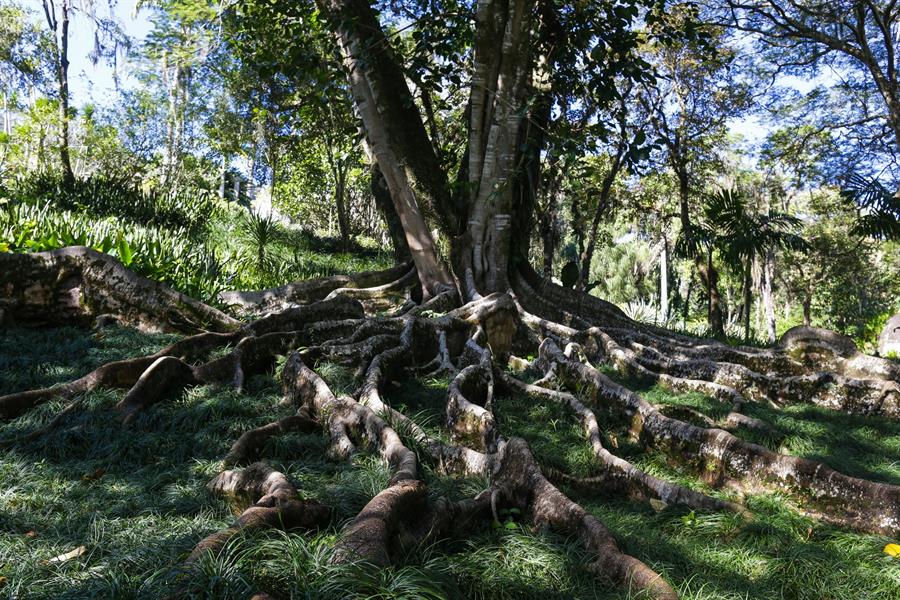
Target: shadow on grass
<point>135,499</point>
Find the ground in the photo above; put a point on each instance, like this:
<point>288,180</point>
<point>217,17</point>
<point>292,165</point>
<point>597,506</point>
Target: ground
<point>135,498</point>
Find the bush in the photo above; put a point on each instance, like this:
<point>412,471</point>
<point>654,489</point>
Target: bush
<point>169,256</point>
<point>121,197</point>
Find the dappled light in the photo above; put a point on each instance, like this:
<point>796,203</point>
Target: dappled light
<point>450,299</point>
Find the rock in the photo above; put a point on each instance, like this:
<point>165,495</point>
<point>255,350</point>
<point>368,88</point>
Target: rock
<point>889,340</point>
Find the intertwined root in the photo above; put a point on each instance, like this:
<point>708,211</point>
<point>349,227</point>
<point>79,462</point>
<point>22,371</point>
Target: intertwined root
<point>470,342</point>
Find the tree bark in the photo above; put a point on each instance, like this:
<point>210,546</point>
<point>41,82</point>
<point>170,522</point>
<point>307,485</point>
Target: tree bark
<point>59,27</point>
<point>664,280</point>
<point>745,308</point>
<point>502,68</point>
<point>769,294</point>
<point>385,205</point>
<point>395,132</point>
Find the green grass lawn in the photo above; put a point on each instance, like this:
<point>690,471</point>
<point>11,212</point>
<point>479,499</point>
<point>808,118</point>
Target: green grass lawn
<point>135,499</point>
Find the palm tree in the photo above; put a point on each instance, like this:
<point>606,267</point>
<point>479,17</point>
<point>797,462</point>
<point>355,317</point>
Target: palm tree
<point>879,209</point>
<point>741,235</point>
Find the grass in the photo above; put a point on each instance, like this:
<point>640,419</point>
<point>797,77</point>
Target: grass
<point>195,243</point>
<point>135,500</point>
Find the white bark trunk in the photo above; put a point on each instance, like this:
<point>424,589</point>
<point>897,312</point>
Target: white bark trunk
<point>769,295</point>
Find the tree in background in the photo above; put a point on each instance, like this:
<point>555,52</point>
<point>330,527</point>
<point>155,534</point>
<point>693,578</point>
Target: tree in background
<point>855,39</point>
<point>694,96</point>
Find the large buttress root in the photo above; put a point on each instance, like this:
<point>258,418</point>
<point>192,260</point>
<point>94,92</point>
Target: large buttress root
<point>75,285</point>
<point>722,457</point>
<point>310,290</point>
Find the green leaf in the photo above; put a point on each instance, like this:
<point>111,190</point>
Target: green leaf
<point>124,250</point>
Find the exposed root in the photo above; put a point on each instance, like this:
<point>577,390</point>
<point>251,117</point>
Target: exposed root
<point>248,447</point>
<point>75,285</point>
<point>619,475</point>
<point>469,401</point>
<point>275,503</point>
<point>368,537</point>
<point>721,457</point>
<point>545,506</point>
<point>151,378</point>
<point>307,291</point>
<point>465,342</point>
<point>380,297</point>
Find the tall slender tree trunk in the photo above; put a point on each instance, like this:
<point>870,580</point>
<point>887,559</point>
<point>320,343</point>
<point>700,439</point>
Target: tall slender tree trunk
<point>340,200</point>
<point>807,305</point>
<point>385,205</point>
<point>222,177</point>
<point>59,27</point>
<point>709,276</point>
<point>769,294</point>
<point>745,308</point>
<point>664,280</point>
<point>395,132</point>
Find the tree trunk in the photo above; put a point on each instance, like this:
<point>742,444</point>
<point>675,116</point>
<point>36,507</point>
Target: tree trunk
<point>222,177</point>
<point>340,200</point>
<point>664,280</point>
<point>705,268</point>
<point>395,133</point>
<point>710,278</point>
<point>385,205</point>
<point>745,309</point>
<point>502,72</point>
<point>59,27</point>
<point>807,307</point>
<point>769,295</point>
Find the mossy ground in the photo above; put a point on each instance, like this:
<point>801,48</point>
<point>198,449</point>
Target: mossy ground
<point>135,499</point>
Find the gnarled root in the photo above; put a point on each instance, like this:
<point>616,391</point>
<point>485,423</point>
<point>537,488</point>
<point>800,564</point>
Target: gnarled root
<point>525,486</point>
<point>722,457</point>
<point>465,342</point>
<point>307,291</point>
<point>275,503</point>
<point>75,285</point>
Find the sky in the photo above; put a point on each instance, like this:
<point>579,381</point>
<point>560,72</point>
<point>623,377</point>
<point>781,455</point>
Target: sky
<point>94,83</point>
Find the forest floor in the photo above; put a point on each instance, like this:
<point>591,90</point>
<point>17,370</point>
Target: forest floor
<point>131,502</point>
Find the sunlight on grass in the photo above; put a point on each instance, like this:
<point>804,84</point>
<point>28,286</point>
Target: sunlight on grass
<point>135,498</point>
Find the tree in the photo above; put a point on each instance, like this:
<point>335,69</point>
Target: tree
<point>59,30</point>
<point>853,37</point>
<point>481,307</point>
<point>689,106</point>
<point>743,236</point>
<point>108,41</point>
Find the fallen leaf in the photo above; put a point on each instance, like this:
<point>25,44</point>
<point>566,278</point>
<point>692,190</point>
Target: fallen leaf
<point>69,555</point>
<point>657,505</point>
<point>2,581</point>
<point>30,533</point>
<point>95,475</point>
<point>892,550</point>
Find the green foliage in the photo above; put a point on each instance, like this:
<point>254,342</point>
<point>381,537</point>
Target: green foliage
<point>879,208</point>
<point>119,196</point>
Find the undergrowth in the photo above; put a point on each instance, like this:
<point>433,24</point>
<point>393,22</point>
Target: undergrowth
<point>196,243</point>
<point>135,499</point>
